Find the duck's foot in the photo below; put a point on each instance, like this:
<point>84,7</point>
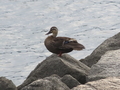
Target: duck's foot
<point>60,54</point>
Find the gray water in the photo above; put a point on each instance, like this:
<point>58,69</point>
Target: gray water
<point>24,23</point>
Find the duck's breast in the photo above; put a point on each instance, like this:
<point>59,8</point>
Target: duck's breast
<point>49,43</point>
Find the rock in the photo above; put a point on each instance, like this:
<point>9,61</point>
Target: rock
<point>6,84</point>
<point>111,83</point>
<point>112,43</point>
<point>70,81</point>
<point>48,83</point>
<point>107,66</point>
<point>60,66</point>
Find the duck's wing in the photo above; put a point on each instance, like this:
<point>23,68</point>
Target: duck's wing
<point>67,43</point>
<point>59,42</point>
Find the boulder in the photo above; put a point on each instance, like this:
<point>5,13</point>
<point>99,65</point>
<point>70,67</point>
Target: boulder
<point>70,81</point>
<point>48,83</point>
<point>113,43</point>
<point>60,66</point>
<point>6,84</point>
<point>111,83</point>
<point>107,66</point>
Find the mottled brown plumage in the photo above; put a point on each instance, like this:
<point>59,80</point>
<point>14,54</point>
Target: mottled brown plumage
<point>59,45</point>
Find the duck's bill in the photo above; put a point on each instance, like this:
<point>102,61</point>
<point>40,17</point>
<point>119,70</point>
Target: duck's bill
<point>47,33</point>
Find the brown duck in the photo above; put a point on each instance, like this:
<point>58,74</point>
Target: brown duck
<point>59,45</point>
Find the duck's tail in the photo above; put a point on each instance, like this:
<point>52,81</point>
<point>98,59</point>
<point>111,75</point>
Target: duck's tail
<point>72,43</point>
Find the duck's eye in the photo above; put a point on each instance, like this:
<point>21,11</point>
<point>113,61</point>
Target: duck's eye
<point>65,42</point>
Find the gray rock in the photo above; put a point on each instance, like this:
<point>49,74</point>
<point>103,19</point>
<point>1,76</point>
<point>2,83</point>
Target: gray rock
<point>70,81</point>
<point>6,84</point>
<point>111,83</point>
<point>60,66</point>
<point>48,83</point>
<point>112,43</point>
<point>107,66</point>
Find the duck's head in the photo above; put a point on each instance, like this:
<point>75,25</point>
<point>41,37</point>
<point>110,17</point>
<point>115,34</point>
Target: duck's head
<point>53,30</point>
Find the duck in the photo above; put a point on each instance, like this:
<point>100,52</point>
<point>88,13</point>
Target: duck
<point>60,45</point>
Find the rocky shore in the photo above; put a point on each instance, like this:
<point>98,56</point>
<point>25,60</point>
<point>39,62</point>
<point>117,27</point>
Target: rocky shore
<point>98,71</point>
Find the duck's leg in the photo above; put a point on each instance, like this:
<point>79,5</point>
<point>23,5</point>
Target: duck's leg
<point>60,54</point>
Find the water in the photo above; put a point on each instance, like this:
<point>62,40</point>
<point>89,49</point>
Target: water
<point>24,23</point>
